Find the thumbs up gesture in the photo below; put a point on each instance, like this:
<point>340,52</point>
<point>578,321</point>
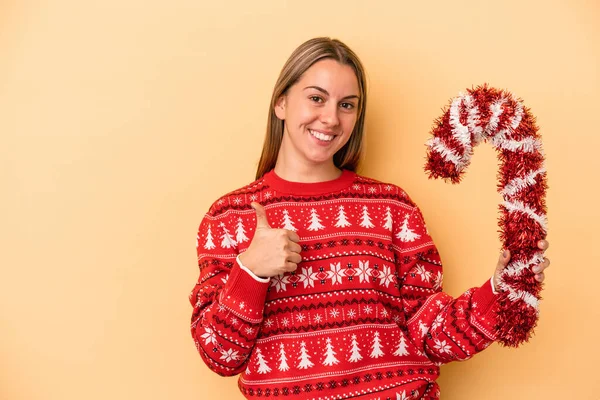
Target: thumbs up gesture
<point>272,251</point>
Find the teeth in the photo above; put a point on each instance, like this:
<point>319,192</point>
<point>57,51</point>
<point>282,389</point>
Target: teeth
<point>321,136</point>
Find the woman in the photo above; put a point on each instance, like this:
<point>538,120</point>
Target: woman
<point>316,282</point>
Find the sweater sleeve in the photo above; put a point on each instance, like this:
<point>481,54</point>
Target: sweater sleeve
<point>444,328</point>
<point>227,301</point>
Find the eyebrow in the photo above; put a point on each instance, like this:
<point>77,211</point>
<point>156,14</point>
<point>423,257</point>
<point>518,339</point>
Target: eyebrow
<point>320,89</point>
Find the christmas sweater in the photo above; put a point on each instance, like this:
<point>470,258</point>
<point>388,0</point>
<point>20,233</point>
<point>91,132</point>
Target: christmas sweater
<point>362,316</point>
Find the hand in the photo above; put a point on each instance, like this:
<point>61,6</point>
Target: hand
<point>272,251</point>
<point>538,269</point>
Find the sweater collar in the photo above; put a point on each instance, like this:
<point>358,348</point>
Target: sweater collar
<point>302,188</point>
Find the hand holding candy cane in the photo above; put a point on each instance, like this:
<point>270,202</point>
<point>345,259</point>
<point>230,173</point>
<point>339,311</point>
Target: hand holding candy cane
<point>504,260</point>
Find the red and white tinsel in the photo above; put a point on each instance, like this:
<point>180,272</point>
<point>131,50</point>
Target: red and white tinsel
<point>488,114</point>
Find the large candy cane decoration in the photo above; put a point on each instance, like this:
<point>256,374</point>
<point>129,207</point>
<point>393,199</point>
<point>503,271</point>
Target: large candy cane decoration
<point>488,114</point>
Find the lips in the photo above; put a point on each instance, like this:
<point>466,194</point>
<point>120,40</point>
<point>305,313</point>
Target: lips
<point>321,136</point>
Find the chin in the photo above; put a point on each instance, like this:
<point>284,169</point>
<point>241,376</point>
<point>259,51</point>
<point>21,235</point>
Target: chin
<point>321,159</point>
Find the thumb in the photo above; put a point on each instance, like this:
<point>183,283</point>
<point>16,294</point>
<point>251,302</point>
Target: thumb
<point>503,260</point>
<point>261,216</point>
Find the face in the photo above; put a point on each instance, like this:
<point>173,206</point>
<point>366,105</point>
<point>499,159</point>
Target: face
<point>319,112</point>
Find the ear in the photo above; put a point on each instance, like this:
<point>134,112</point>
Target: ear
<point>280,107</point>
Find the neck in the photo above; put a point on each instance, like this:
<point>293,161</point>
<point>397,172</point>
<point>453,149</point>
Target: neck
<point>301,172</point>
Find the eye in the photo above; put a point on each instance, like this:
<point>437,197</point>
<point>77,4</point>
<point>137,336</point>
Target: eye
<point>316,99</point>
<point>347,106</point>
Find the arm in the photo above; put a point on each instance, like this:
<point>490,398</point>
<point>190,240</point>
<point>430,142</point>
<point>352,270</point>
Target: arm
<point>228,301</point>
<point>446,329</point>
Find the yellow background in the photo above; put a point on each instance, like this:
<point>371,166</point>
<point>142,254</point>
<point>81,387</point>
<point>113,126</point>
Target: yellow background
<point>121,121</point>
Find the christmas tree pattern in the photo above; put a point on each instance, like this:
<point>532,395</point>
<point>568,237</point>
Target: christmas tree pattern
<point>315,222</point>
<point>354,351</point>
<point>304,357</point>
<point>240,232</point>
<point>376,347</point>
<point>287,222</point>
<point>263,368</point>
<point>341,220</point>
<point>387,224</point>
<point>401,349</point>
<point>366,219</point>
<point>423,328</point>
<point>406,234</point>
<point>283,365</point>
<point>209,245</point>
<point>329,354</point>
<point>227,242</point>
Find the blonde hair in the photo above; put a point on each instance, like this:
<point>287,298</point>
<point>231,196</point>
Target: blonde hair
<point>308,53</point>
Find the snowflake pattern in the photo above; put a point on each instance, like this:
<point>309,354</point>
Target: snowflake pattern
<point>229,355</point>
<point>224,279</point>
<point>387,276</point>
<point>307,277</point>
<point>279,282</point>
<point>441,346</point>
<point>336,273</point>
<point>438,322</point>
<point>423,272</point>
<point>363,271</point>
<point>209,336</point>
<point>438,280</point>
<point>403,396</point>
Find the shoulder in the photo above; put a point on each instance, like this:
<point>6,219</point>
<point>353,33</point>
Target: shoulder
<point>373,188</point>
<point>238,199</point>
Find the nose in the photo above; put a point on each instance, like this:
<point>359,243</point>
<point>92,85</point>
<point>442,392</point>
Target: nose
<point>329,115</point>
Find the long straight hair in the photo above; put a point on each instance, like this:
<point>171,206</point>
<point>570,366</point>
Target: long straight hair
<point>308,53</point>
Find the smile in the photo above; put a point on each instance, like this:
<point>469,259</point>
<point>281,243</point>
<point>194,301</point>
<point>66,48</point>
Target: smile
<point>321,136</point>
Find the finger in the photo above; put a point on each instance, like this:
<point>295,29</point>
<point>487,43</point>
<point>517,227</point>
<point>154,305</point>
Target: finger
<point>541,267</point>
<point>261,215</point>
<point>294,247</point>
<point>540,277</point>
<point>503,259</point>
<point>290,266</point>
<point>294,258</point>
<point>293,236</point>
<point>543,244</point>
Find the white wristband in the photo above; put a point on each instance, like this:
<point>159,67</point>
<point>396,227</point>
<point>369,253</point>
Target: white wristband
<point>256,278</point>
<point>493,287</point>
